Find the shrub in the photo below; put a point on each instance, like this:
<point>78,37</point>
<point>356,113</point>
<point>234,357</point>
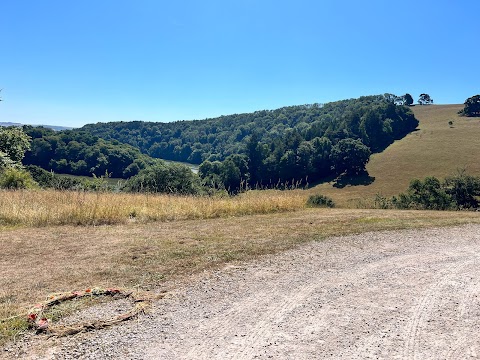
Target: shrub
<point>463,189</point>
<point>320,201</point>
<point>429,194</point>
<point>15,178</point>
<point>47,179</point>
<point>165,178</point>
<point>460,191</point>
<point>381,202</point>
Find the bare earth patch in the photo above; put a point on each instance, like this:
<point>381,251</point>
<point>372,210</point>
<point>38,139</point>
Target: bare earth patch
<point>403,294</point>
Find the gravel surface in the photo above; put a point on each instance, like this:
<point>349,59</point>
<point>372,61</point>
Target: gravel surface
<point>412,294</point>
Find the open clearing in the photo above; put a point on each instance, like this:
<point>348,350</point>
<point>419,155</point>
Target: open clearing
<point>404,294</point>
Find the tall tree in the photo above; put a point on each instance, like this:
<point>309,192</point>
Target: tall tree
<point>425,99</point>
<point>255,159</point>
<point>13,144</point>
<point>350,156</point>
<point>408,99</point>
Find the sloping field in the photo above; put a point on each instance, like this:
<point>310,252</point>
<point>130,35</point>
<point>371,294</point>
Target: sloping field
<point>436,148</point>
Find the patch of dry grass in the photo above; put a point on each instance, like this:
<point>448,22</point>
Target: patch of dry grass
<point>435,149</point>
<point>50,207</point>
<point>38,261</point>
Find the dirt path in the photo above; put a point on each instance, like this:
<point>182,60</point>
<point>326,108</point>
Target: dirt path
<point>411,294</point>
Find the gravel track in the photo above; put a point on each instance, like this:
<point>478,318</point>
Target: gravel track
<point>411,294</point>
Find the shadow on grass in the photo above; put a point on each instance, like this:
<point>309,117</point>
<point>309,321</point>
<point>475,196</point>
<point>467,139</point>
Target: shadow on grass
<point>355,180</point>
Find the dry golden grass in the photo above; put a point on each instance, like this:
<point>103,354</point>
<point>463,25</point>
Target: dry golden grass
<point>39,261</point>
<point>49,207</point>
<point>436,149</point>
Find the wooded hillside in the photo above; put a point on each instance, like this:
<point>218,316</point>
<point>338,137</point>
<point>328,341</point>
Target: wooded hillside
<point>373,119</point>
<point>265,147</point>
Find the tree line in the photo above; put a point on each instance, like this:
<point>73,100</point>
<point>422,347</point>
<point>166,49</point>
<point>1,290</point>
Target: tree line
<point>266,148</point>
<point>217,138</point>
<point>340,141</point>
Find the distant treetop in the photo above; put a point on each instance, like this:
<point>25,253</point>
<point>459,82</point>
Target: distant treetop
<point>425,99</point>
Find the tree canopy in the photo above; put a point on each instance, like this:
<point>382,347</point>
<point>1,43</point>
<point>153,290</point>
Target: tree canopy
<point>165,178</point>
<point>472,106</point>
<point>425,99</point>
<point>350,156</point>
<point>80,153</point>
<point>13,145</point>
<point>408,99</point>
<point>217,138</point>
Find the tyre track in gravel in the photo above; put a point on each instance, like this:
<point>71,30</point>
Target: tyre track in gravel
<point>466,345</point>
<point>426,303</point>
<point>412,294</point>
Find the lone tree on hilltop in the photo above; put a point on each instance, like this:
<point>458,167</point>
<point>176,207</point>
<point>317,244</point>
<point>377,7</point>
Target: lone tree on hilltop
<point>425,99</point>
<point>472,106</point>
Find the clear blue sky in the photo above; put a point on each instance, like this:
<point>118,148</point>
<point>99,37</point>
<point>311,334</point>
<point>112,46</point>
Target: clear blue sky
<point>75,62</point>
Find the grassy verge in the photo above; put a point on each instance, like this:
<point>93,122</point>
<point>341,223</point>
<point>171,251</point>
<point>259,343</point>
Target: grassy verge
<point>39,261</point>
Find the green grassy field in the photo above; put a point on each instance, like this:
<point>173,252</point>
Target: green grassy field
<point>436,148</point>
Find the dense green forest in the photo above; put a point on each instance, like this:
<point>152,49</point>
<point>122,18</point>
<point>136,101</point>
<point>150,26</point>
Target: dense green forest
<point>376,120</point>
<point>80,153</point>
<point>272,147</point>
<point>265,148</point>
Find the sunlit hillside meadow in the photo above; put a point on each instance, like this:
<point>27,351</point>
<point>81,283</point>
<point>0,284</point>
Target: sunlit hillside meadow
<point>435,149</point>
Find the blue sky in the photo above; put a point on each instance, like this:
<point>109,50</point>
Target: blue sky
<point>71,63</point>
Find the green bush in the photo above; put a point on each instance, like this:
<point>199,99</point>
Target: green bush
<point>464,189</point>
<point>165,178</point>
<point>320,201</point>
<point>48,179</point>
<point>14,178</point>
<point>457,192</point>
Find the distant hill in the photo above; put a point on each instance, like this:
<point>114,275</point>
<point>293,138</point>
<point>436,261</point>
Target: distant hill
<point>435,149</point>
<point>10,124</point>
<point>53,127</point>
